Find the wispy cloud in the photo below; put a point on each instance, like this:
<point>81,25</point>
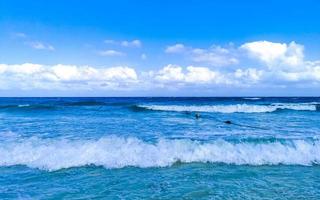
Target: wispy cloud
<point>19,35</point>
<point>143,56</point>
<point>176,48</point>
<point>40,45</point>
<point>111,52</point>
<point>125,43</point>
<point>133,43</point>
<point>35,44</point>
<point>109,41</point>
<point>214,55</point>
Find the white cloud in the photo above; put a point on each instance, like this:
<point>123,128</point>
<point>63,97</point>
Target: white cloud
<point>64,77</point>
<point>310,73</point>
<point>170,73</point>
<point>177,48</point>
<point>40,46</point>
<point>250,75</point>
<point>26,68</point>
<point>276,54</point>
<point>189,75</point>
<point>176,76</point>
<point>111,52</point>
<point>283,65</point>
<point>214,56</point>
<point>200,75</point>
<point>133,43</point>
<point>30,76</point>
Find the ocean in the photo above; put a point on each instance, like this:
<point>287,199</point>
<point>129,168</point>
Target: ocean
<point>160,148</point>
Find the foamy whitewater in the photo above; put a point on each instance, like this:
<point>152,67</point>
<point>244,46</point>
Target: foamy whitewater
<point>142,148</point>
<point>244,108</point>
<point>114,152</point>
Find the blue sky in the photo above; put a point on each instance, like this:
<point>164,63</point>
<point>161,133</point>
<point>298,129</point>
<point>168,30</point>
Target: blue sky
<point>159,48</point>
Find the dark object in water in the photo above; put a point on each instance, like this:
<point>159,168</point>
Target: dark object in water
<point>187,112</point>
<point>197,115</point>
<point>228,122</point>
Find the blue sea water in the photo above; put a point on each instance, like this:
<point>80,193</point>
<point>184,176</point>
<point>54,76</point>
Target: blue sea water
<point>156,148</point>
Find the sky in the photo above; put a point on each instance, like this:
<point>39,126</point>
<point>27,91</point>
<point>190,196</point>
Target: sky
<point>160,48</point>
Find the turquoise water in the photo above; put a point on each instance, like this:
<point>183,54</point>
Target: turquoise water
<point>156,148</point>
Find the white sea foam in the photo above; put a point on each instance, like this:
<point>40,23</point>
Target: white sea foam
<point>23,105</point>
<point>297,106</point>
<point>116,152</point>
<point>251,98</point>
<point>242,108</point>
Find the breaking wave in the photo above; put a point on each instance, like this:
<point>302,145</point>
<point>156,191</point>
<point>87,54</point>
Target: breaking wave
<point>117,152</point>
<point>240,108</point>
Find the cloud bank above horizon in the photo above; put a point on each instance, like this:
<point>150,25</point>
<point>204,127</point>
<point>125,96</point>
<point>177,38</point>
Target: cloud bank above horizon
<point>252,65</point>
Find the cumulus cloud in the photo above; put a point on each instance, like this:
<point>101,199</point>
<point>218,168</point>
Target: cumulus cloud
<point>190,74</point>
<point>201,75</point>
<point>284,63</point>
<point>35,76</point>
<point>170,73</point>
<point>111,52</point>
<point>310,73</point>
<point>40,46</point>
<point>276,54</point>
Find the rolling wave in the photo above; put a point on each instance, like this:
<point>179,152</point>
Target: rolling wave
<point>117,152</point>
<point>57,105</point>
<point>234,108</point>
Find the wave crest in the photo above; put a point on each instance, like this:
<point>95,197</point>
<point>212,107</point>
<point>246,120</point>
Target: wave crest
<point>116,152</point>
